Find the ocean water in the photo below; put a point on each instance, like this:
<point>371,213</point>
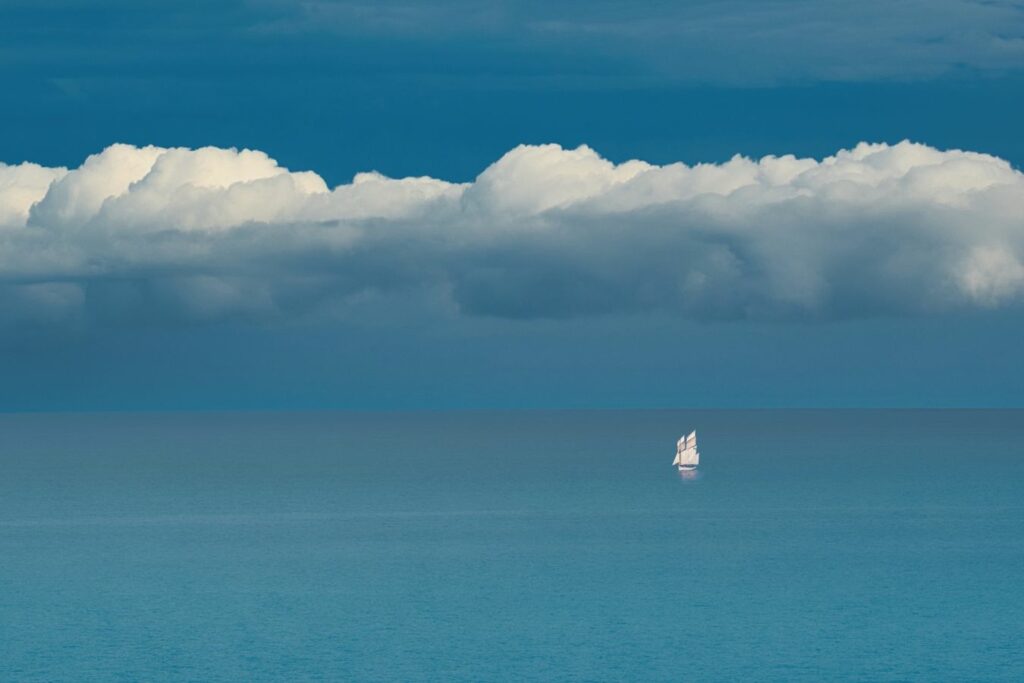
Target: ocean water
<point>560,546</point>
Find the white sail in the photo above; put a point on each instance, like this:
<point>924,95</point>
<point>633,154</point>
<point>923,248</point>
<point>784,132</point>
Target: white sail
<point>689,457</point>
<point>686,451</point>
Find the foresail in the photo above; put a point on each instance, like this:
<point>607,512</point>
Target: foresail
<point>677,460</point>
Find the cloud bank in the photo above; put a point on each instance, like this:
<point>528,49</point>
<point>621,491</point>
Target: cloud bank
<point>172,235</point>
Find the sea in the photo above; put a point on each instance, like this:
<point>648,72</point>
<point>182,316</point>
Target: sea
<point>822,545</point>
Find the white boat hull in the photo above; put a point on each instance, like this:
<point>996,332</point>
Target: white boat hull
<point>686,468</point>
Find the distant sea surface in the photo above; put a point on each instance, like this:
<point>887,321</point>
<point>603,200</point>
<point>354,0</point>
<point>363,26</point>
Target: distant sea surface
<point>558,546</point>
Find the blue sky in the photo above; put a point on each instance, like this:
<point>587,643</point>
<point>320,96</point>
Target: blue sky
<point>444,88</point>
<point>583,314</point>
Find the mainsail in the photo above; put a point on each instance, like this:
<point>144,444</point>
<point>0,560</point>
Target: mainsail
<point>686,451</point>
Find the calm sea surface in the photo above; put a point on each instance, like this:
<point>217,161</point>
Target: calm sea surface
<point>831,545</point>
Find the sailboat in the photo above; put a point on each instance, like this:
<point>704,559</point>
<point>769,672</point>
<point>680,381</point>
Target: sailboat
<point>687,457</point>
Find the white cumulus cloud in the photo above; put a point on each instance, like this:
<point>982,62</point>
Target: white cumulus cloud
<point>209,233</point>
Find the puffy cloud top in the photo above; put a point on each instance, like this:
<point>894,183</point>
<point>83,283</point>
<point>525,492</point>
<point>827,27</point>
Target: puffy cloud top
<point>543,232</point>
<point>21,187</point>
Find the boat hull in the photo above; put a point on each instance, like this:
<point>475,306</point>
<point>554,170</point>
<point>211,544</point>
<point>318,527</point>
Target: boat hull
<point>686,468</point>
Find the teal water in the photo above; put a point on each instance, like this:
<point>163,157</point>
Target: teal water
<point>831,545</point>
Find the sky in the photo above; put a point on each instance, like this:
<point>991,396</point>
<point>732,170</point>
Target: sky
<point>442,204</point>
